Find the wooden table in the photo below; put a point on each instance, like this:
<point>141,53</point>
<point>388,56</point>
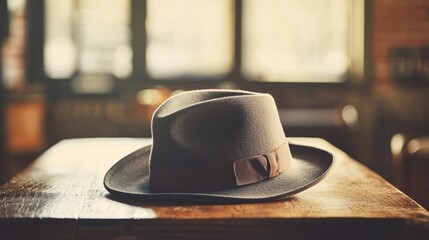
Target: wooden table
<point>61,196</point>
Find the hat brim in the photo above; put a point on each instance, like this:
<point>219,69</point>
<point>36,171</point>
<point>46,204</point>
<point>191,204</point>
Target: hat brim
<point>129,177</point>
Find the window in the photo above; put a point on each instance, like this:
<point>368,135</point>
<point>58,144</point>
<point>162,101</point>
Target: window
<point>255,40</point>
<point>296,41</point>
<point>13,51</point>
<point>189,37</point>
<point>88,37</point>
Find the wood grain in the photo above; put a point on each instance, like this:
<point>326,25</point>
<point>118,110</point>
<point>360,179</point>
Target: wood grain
<point>62,193</point>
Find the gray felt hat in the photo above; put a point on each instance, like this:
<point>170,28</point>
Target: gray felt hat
<point>218,146</point>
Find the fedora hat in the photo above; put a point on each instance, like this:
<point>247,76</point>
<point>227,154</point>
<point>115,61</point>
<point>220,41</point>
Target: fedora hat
<point>217,146</point>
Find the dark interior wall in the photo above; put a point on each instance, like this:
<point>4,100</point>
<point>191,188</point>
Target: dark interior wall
<point>402,99</point>
<point>4,32</point>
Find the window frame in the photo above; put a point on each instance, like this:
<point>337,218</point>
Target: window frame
<point>139,78</point>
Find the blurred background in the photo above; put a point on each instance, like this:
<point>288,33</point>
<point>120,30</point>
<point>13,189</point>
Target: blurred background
<point>353,72</point>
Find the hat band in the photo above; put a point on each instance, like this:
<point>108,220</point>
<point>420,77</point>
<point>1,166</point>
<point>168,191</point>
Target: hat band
<point>222,175</point>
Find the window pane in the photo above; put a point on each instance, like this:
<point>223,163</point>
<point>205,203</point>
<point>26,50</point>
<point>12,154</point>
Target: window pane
<point>296,41</point>
<point>60,52</point>
<point>92,36</point>
<point>189,37</point>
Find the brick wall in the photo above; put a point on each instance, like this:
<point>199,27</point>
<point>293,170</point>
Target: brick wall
<point>400,23</point>
<point>397,23</point>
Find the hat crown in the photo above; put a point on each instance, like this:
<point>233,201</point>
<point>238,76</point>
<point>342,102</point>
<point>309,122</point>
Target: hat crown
<point>204,127</point>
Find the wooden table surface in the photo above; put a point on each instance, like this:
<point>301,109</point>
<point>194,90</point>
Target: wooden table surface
<point>61,196</point>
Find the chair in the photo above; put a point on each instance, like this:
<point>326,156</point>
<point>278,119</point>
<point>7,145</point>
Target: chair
<point>410,155</point>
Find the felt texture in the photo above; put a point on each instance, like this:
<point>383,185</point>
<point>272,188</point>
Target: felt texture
<point>208,126</point>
